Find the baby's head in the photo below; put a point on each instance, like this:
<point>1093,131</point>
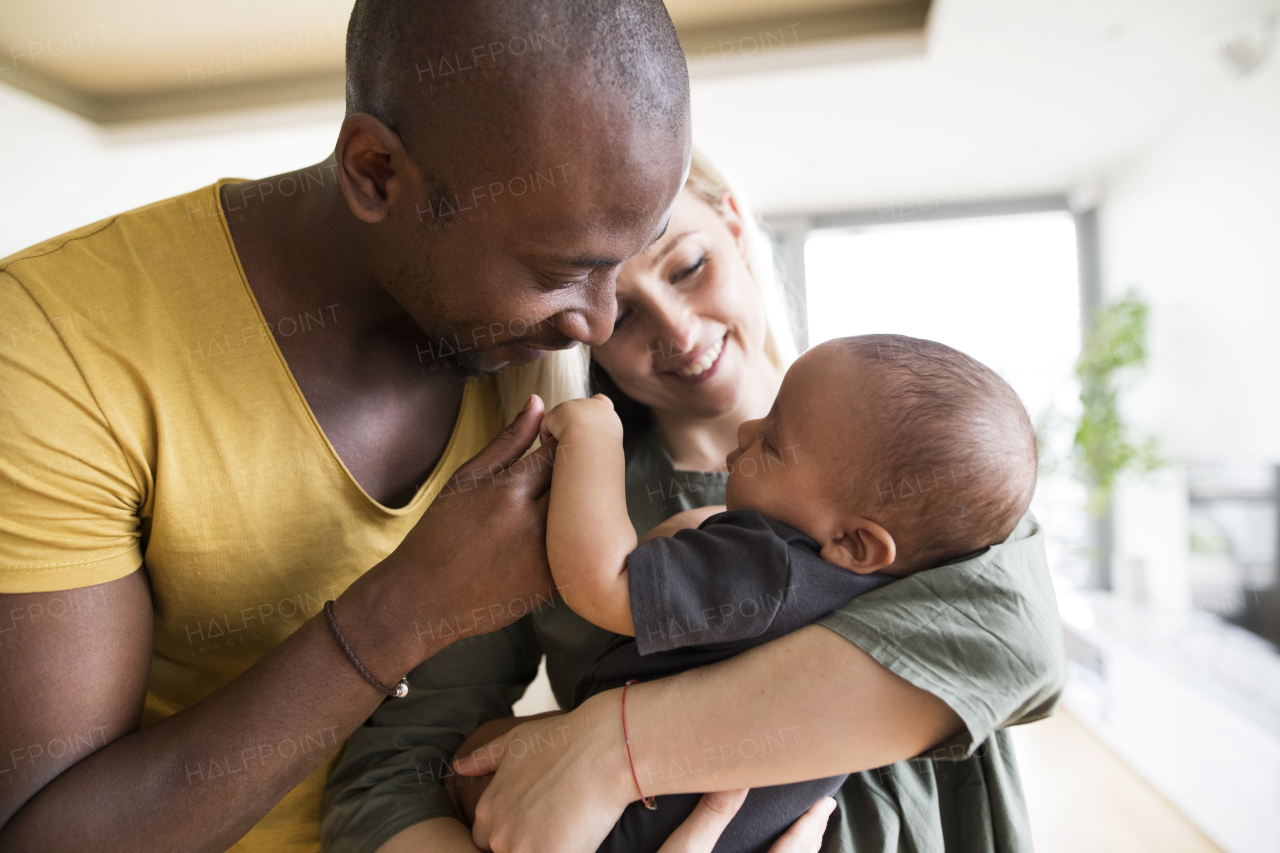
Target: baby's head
<point>895,454</point>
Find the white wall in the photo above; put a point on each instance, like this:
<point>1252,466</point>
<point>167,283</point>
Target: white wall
<point>59,172</point>
<point>1194,225</point>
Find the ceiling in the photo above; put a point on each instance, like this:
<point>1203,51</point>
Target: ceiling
<point>1013,98</point>
<point>1008,98</point>
<point>130,60</point>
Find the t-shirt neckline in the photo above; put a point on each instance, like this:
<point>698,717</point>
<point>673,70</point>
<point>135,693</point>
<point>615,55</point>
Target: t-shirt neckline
<point>301,399</point>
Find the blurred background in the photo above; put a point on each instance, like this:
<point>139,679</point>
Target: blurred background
<point>1083,194</point>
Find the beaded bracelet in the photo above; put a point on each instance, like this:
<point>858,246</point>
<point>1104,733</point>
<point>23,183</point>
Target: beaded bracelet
<point>399,691</point>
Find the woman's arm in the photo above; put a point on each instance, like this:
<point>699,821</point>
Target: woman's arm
<point>778,713</point>
<point>821,690</point>
<point>698,834</point>
<point>589,533</point>
<point>86,677</point>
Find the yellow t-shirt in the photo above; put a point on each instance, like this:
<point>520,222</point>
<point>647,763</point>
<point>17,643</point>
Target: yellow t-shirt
<point>146,413</point>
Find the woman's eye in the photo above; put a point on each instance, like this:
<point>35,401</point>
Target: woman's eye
<point>689,270</point>
<point>623,313</point>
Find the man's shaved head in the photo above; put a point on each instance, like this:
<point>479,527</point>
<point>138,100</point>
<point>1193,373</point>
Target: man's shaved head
<point>439,71</point>
<point>507,156</point>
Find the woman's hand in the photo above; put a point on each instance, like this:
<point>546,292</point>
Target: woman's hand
<point>516,778</point>
<point>561,783</point>
<point>701,830</point>
<point>568,797</point>
<point>465,791</point>
<point>805,835</point>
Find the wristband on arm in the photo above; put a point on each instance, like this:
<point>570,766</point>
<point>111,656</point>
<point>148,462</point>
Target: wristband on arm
<point>399,691</point>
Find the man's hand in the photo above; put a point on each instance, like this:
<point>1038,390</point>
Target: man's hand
<point>475,562</point>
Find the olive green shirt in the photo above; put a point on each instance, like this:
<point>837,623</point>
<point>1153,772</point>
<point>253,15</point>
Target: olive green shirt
<point>981,634</point>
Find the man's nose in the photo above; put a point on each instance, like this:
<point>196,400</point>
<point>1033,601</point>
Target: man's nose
<point>592,321</point>
<point>747,434</point>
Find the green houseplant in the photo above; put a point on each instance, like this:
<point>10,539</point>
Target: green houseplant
<point>1114,350</point>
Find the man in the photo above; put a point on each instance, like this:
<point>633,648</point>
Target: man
<point>267,386</point>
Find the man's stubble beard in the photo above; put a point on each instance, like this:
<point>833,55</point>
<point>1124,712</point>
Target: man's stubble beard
<point>425,284</point>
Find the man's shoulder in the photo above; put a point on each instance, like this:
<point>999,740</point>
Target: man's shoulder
<point>155,290</point>
<point>166,270</point>
<point>165,227</point>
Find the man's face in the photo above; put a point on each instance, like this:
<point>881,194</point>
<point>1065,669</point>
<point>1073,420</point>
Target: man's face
<point>512,262</point>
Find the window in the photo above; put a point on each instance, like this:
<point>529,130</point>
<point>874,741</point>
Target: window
<point>1003,289</point>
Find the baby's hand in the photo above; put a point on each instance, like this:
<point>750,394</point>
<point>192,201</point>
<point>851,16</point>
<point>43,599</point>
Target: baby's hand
<point>593,413</point>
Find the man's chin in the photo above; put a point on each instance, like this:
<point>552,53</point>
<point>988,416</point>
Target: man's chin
<point>489,364</point>
<point>493,361</point>
<point>525,354</point>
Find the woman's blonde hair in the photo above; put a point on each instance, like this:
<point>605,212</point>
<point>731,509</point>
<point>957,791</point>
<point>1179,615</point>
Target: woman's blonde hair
<point>563,375</point>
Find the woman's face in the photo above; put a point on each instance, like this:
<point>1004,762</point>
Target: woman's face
<point>690,326</point>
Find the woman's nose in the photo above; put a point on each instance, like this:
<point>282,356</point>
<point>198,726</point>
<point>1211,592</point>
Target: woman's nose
<point>678,329</point>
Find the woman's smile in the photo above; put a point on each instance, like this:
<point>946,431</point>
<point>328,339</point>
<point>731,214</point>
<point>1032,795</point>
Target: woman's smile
<point>700,365</point>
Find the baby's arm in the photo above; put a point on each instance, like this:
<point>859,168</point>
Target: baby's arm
<point>589,534</point>
<point>690,519</point>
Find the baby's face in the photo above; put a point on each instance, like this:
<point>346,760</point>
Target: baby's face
<point>785,459</point>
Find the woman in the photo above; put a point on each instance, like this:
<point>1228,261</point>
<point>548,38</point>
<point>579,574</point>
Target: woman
<point>697,350</point>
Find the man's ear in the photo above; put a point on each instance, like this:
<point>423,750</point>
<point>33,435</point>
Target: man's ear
<point>862,547</point>
<point>375,170</point>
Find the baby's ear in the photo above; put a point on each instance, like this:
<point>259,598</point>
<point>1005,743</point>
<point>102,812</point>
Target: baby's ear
<point>863,547</point>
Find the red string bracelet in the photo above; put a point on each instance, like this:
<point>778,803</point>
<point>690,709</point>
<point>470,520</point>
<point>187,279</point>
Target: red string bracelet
<point>650,802</point>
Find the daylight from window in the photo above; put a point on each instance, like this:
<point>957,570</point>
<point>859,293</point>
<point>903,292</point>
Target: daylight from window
<point>1003,289</point>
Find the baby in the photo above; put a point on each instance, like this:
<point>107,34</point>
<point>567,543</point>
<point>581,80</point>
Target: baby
<point>882,456</point>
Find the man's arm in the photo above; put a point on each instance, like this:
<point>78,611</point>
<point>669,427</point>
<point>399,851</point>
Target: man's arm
<point>589,533</point>
<point>87,677</point>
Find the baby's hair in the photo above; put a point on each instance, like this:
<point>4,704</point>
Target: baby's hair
<point>952,463</point>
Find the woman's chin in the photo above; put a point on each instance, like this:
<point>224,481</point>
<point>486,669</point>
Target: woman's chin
<point>714,398</point>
